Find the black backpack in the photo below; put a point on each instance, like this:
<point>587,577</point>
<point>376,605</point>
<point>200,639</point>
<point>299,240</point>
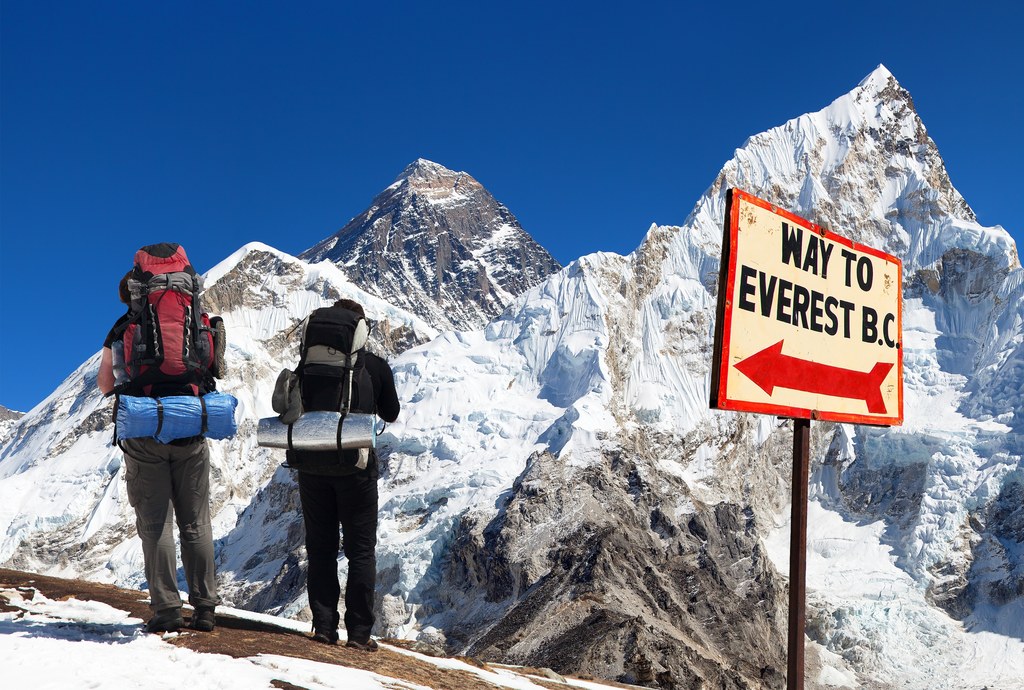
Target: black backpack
<point>332,360</point>
<point>332,376</point>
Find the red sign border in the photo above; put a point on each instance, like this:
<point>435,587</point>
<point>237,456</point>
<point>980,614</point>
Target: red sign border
<point>723,320</point>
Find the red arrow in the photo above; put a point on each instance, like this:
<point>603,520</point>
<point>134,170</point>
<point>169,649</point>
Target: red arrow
<point>770,368</point>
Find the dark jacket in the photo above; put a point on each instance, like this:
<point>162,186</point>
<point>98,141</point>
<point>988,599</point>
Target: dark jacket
<point>373,393</point>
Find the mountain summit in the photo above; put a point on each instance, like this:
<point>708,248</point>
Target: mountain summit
<point>436,243</point>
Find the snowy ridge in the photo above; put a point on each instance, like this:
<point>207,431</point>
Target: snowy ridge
<point>871,136</point>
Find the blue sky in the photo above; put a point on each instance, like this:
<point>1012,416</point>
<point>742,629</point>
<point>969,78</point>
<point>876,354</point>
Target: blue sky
<point>214,124</point>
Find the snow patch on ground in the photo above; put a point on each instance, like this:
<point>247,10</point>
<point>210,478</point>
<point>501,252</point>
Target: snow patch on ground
<point>48,644</point>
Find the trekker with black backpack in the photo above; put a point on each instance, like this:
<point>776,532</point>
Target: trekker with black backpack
<point>335,373</point>
<point>165,346</point>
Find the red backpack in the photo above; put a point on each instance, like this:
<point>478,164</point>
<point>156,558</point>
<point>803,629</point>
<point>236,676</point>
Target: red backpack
<point>168,340</point>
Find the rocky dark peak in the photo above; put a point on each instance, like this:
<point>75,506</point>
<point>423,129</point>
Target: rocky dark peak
<point>424,175</point>
<point>881,87</point>
<point>437,243</point>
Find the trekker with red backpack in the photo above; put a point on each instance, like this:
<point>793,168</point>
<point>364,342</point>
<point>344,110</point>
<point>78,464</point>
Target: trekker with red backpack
<point>165,346</point>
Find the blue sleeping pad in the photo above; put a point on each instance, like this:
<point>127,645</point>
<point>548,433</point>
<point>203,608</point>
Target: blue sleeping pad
<point>176,416</point>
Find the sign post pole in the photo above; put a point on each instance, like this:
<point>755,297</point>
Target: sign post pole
<point>798,553</point>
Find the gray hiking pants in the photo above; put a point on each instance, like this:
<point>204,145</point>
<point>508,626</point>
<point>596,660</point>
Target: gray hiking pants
<point>165,479</point>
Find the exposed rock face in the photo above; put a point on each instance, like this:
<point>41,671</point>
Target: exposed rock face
<point>7,415</point>
<point>8,418</point>
<point>436,243</point>
<point>601,574</point>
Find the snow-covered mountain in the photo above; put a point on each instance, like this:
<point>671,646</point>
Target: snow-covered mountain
<point>437,244</point>
<point>556,491</point>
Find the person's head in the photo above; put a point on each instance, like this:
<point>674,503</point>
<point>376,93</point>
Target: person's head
<point>122,288</point>
<point>351,305</point>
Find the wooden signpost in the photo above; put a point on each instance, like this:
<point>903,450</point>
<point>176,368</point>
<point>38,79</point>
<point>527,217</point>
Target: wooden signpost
<point>809,326</point>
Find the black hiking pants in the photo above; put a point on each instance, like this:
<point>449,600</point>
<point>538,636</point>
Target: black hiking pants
<point>352,501</point>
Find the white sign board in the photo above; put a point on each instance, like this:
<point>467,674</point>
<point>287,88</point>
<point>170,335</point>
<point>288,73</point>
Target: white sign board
<point>809,323</point>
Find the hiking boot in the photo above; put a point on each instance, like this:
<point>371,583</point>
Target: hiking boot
<point>167,620</point>
<point>325,636</point>
<point>367,645</point>
<point>203,619</point>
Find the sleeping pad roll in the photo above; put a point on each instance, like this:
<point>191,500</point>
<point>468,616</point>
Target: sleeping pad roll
<point>176,416</point>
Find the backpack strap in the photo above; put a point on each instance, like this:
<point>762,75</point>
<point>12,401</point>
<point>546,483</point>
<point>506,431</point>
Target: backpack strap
<point>345,390</point>
<point>302,342</point>
<point>159,417</point>
<point>117,403</point>
<point>345,395</point>
<point>206,425</point>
